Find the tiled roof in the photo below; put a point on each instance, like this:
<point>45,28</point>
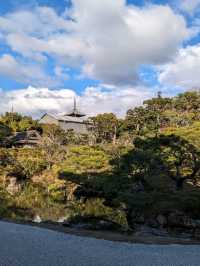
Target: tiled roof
<point>69,118</point>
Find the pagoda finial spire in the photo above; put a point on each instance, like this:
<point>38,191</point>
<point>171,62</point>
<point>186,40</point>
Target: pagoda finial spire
<point>75,112</point>
<point>74,104</point>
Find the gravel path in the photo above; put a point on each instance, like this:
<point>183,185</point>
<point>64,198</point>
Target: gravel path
<point>22,245</point>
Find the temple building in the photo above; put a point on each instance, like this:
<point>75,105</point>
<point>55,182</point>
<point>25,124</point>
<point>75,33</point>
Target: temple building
<point>73,120</point>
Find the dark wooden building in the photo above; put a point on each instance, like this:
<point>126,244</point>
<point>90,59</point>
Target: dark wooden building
<point>28,138</point>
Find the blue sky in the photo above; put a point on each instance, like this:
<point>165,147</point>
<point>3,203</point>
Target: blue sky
<point>110,54</point>
<point>59,5</point>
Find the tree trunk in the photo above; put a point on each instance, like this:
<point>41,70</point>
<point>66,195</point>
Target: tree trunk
<point>115,136</point>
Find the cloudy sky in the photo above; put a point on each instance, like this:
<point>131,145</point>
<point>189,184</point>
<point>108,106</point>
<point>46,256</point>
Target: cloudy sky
<point>109,54</point>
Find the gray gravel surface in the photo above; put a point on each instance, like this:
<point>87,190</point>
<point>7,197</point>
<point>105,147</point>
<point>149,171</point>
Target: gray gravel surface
<point>31,246</point>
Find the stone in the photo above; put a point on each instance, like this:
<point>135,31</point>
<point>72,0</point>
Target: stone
<point>146,231</point>
<point>179,219</point>
<point>61,219</point>
<point>197,223</point>
<point>196,234</point>
<point>92,223</point>
<point>37,219</point>
<point>152,222</point>
<point>162,220</point>
<point>139,219</point>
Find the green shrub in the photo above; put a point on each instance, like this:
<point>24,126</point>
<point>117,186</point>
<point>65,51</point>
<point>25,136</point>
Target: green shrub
<point>84,160</point>
<point>31,161</point>
<point>57,191</point>
<point>96,208</point>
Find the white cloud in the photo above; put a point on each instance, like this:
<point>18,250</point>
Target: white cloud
<point>61,73</point>
<point>184,70</point>
<point>41,21</point>
<point>108,39</point>
<point>37,101</point>
<point>23,72</point>
<point>189,6</point>
<point>117,100</point>
<point>121,37</point>
<point>65,48</point>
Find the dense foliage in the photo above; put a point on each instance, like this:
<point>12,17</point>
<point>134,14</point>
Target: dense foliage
<point>146,163</point>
